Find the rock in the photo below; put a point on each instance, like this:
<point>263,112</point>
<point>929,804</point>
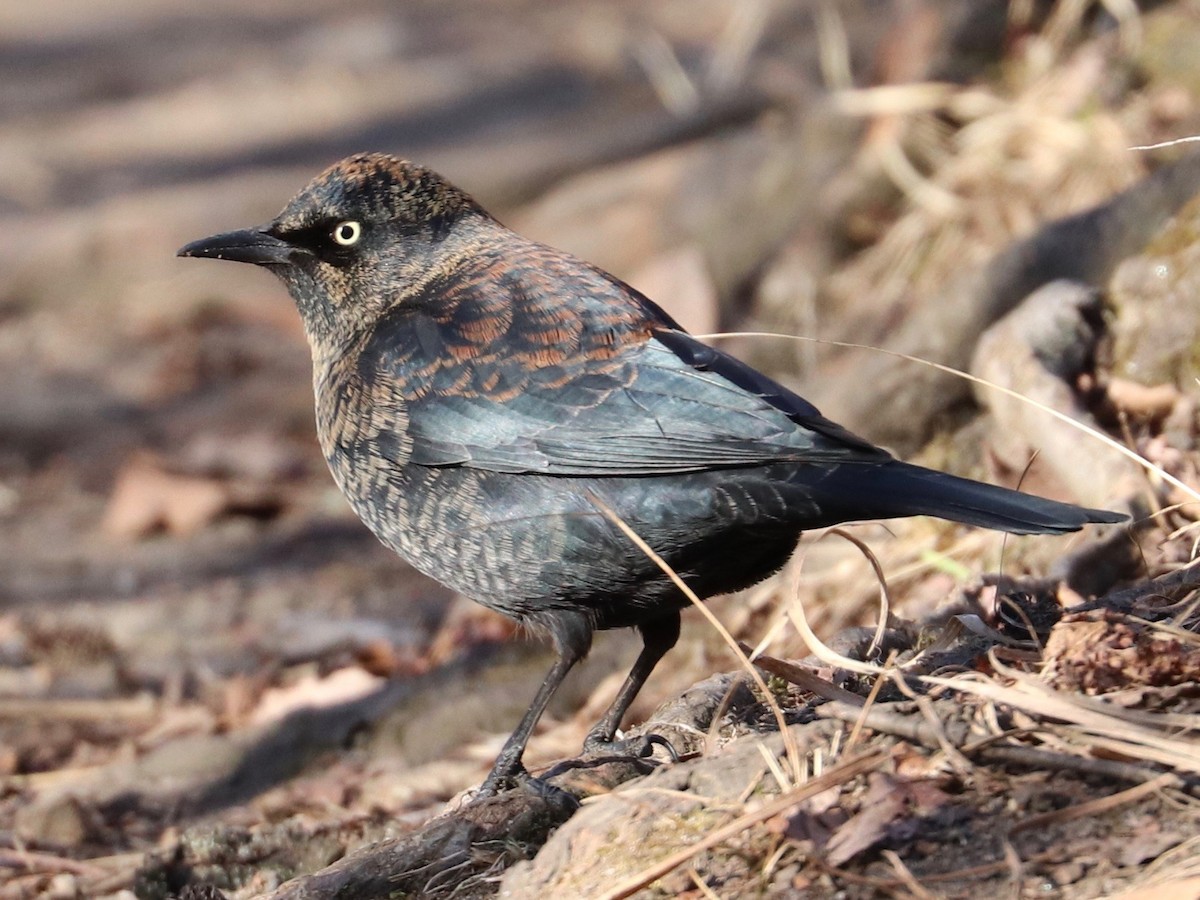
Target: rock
<point>1038,351</point>
<point>616,836</point>
<point>904,401</point>
<point>1156,295</point>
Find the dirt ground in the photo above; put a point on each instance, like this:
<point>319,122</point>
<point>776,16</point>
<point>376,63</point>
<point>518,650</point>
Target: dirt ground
<point>214,680</point>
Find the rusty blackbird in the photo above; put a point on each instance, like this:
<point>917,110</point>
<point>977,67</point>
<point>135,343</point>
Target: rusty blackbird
<point>477,392</point>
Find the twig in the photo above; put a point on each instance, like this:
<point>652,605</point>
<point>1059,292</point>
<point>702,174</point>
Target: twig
<point>971,873</point>
<point>48,862</point>
<point>919,731</point>
<point>1050,760</point>
<point>886,721</point>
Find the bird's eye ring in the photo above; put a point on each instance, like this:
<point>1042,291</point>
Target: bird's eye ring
<point>347,233</point>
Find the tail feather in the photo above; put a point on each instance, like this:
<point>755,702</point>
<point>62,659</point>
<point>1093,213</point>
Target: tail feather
<point>899,489</point>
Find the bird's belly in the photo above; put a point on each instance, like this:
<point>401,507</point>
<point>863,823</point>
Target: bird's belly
<point>526,545</point>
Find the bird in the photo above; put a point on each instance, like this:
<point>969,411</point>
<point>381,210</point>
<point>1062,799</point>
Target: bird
<point>493,409</point>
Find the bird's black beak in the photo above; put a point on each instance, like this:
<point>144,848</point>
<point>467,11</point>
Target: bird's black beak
<point>252,245</point>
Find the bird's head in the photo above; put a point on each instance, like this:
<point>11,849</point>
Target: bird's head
<point>355,242</point>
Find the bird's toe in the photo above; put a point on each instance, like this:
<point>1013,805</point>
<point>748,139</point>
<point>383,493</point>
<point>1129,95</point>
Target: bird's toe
<point>639,747</point>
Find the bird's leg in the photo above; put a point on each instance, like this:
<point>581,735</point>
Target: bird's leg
<point>658,636</point>
<point>572,640</point>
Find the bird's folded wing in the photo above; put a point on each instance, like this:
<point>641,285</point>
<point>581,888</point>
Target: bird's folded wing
<point>668,405</point>
<point>534,361</point>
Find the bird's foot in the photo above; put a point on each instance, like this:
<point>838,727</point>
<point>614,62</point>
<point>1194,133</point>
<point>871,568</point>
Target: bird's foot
<point>600,750</point>
<point>499,782</point>
<point>640,748</point>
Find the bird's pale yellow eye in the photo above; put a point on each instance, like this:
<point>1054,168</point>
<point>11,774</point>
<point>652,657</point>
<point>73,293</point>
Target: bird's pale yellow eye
<point>347,233</point>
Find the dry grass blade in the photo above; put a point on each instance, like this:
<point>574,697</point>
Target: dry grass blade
<point>819,649</point>
<point>925,705</point>
<point>989,749</point>
<point>826,654</point>
<point>781,778</point>
<point>865,710</point>
<point>1109,729</point>
<point>906,876</point>
<point>1185,722</point>
<point>835,777</point>
<point>1175,142</point>
<point>833,46</point>
<point>885,596</point>
<point>701,886</point>
<point>795,759</point>
<point>1174,629</point>
<point>1008,605</point>
<point>1179,864</point>
<point>735,47</point>
<point>894,99</point>
<point>923,192</point>
<point>666,74</point>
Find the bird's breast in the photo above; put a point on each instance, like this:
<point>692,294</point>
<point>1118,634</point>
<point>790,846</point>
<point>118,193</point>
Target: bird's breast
<point>363,429</point>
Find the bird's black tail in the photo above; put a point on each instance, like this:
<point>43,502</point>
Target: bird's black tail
<point>897,489</point>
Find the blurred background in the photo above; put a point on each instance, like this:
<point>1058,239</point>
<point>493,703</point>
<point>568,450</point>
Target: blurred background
<point>178,574</point>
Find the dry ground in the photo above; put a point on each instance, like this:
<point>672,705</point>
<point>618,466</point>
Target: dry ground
<point>210,674</point>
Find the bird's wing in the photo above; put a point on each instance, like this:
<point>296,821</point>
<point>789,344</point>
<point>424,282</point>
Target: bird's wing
<point>567,371</point>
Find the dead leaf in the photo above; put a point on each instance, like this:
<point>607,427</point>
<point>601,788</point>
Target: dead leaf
<point>889,803</point>
<point>147,498</point>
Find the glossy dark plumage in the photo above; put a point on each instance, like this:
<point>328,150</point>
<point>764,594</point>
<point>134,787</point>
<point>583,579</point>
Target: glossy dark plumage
<point>476,391</point>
